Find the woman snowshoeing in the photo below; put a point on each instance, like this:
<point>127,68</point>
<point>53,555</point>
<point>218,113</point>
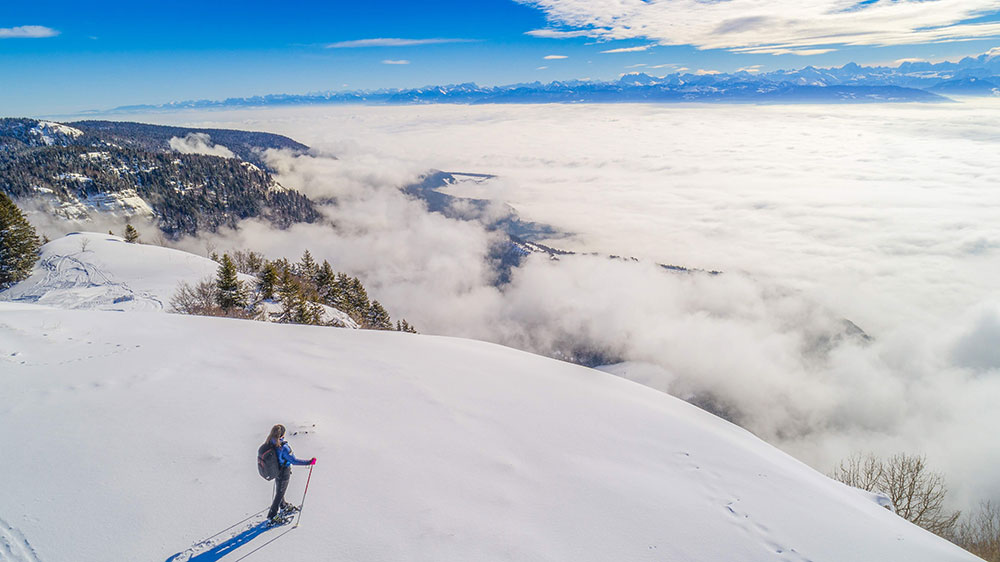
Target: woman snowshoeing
<point>285,461</point>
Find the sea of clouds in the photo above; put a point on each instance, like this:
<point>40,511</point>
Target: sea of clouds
<point>883,215</point>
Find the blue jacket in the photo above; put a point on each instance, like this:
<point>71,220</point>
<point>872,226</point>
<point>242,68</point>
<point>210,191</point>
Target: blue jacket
<point>285,456</point>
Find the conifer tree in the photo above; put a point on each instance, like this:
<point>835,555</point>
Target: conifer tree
<point>307,266</point>
<point>131,234</point>
<point>268,280</point>
<point>325,279</point>
<point>231,294</point>
<point>377,318</point>
<point>357,299</point>
<point>18,244</point>
<point>296,308</point>
<point>340,297</point>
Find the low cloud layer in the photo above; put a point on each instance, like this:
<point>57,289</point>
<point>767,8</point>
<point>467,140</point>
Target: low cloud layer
<point>817,215</point>
<point>777,27</point>
<point>199,143</point>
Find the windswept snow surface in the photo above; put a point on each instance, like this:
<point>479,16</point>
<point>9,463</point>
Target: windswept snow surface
<point>87,270</point>
<point>133,436</point>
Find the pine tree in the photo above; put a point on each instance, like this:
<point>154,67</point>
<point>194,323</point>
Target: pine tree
<point>340,297</point>
<point>131,234</point>
<point>307,266</point>
<point>18,244</point>
<point>357,299</point>
<point>268,280</point>
<point>231,294</point>
<point>377,318</point>
<point>325,282</point>
<point>296,308</point>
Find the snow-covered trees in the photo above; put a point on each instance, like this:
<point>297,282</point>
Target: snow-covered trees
<point>299,291</point>
<point>18,243</point>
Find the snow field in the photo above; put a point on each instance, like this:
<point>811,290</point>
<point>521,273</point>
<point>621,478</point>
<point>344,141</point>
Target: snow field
<point>135,436</point>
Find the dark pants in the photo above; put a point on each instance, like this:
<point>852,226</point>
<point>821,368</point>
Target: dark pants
<point>280,485</point>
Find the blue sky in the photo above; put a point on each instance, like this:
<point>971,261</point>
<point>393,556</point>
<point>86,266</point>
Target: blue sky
<point>60,57</point>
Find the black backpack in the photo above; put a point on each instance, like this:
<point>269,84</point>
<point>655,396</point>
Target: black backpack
<point>267,461</point>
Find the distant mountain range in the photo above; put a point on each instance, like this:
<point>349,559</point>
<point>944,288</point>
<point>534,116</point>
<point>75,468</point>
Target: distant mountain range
<point>851,83</point>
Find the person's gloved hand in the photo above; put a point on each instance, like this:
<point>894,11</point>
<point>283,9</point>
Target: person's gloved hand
<point>313,461</point>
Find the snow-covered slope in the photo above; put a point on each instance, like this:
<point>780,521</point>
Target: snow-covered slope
<point>100,271</point>
<point>87,270</point>
<point>132,436</point>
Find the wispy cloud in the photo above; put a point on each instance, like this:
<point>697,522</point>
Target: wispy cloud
<point>777,27</point>
<point>390,61</point>
<point>636,65</point>
<point>555,57</point>
<point>542,68</point>
<point>27,32</point>
<point>557,34</point>
<point>629,49</point>
<point>393,42</point>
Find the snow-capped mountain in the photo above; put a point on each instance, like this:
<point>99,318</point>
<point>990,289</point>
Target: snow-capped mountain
<point>912,81</point>
<point>80,170</point>
<point>134,436</point>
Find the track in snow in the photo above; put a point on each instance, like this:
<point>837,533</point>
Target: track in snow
<point>14,547</point>
<point>73,283</point>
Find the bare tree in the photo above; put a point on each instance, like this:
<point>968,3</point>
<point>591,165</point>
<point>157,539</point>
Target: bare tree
<point>196,299</point>
<point>980,533</point>
<point>917,493</point>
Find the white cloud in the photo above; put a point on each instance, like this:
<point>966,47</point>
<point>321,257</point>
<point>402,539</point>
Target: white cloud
<point>199,143</point>
<point>703,72</point>
<point>639,65</point>
<point>556,34</point>
<point>392,42</point>
<point>391,61</point>
<point>629,49</point>
<point>751,69</point>
<point>555,57</point>
<point>27,32</point>
<point>779,27</point>
<point>882,215</point>
<point>542,68</point>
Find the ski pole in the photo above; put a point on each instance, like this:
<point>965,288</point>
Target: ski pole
<point>303,504</point>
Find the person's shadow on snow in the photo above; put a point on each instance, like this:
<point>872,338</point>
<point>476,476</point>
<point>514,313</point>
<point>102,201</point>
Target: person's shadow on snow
<point>220,550</point>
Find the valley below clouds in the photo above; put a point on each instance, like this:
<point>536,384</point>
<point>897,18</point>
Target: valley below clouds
<point>822,220</point>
